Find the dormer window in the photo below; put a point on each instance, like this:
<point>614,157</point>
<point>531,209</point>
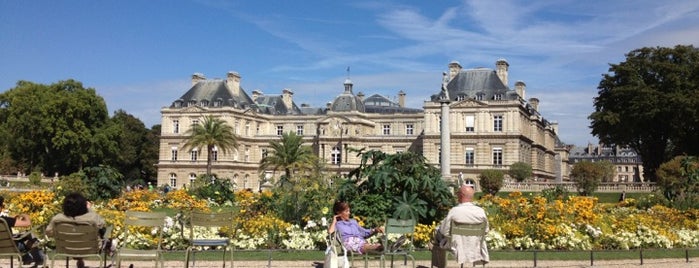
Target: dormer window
<point>204,103</point>
<point>497,97</point>
<point>479,96</point>
<point>460,97</point>
<point>178,103</point>
<point>218,102</point>
<point>192,103</point>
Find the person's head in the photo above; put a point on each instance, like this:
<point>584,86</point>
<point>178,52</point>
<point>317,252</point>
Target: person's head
<point>74,204</point>
<point>466,193</point>
<point>342,209</point>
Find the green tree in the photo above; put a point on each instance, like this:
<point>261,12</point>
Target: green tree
<point>651,103</point>
<point>138,147</point>
<point>398,185</point>
<point>96,183</point>
<point>218,190</point>
<point>520,171</point>
<point>491,180</point>
<point>587,176</point>
<point>290,155</point>
<point>678,179</point>
<point>211,133</point>
<point>55,128</point>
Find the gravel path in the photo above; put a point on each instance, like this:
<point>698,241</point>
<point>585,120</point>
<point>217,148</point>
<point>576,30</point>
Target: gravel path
<point>648,263</point>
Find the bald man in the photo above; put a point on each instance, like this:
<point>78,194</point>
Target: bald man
<point>466,249</point>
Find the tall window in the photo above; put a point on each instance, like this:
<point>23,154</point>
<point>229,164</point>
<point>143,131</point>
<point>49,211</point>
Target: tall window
<point>387,129</point>
<point>247,128</point>
<point>497,156</point>
<point>470,156</point>
<point>336,156</point>
<point>409,129</point>
<point>192,177</point>
<point>497,123</point>
<point>214,154</point>
<point>299,130</point>
<point>194,154</point>
<point>195,122</point>
<point>264,153</point>
<point>470,123</point>
<point>280,130</point>
<point>175,126</point>
<point>247,154</point>
<point>173,154</point>
<point>173,180</point>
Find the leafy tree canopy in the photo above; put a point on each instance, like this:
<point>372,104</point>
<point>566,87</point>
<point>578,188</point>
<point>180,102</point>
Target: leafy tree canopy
<point>650,102</point>
<point>491,180</point>
<point>290,155</point>
<point>211,133</point>
<point>520,171</point>
<point>396,185</point>
<point>678,179</point>
<point>55,128</point>
<point>587,175</point>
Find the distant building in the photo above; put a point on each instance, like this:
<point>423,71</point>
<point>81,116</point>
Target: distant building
<point>490,126</point>
<point>627,163</point>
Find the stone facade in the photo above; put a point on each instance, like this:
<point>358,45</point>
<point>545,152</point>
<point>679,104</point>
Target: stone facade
<point>490,127</point>
<point>628,165</point>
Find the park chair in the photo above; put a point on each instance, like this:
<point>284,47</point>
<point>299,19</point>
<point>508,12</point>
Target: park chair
<point>209,220</point>
<point>8,245</point>
<point>135,220</point>
<point>77,240</point>
<point>352,255</point>
<point>477,230</point>
<point>403,228</point>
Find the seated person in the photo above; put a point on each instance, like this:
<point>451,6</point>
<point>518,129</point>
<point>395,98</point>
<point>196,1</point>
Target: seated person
<point>28,243</point>
<point>353,236</point>
<point>76,209</point>
<point>466,249</point>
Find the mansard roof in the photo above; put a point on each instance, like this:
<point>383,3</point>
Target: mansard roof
<point>213,93</point>
<point>275,105</point>
<point>479,83</point>
<point>380,104</point>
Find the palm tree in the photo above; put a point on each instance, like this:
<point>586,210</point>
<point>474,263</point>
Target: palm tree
<point>288,154</point>
<point>213,133</point>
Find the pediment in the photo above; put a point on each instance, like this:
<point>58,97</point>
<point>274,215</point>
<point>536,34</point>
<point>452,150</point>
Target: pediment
<point>468,103</point>
<point>192,109</point>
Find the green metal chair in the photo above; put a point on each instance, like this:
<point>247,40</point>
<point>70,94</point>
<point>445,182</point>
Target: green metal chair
<point>8,246</point>
<point>209,219</point>
<point>136,220</point>
<point>403,228</point>
<point>469,229</point>
<point>77,240</point>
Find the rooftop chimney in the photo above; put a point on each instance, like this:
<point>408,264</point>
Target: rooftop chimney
<point>233,83</point>
<point>256,93</point>
<point>520,88</point>
<point>534,102</point>
<point>287,95</point>
<point>401,98</point>
<point>502,67</point>
<point>196,77</point>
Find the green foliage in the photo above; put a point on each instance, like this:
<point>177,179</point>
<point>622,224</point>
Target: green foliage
<point>302,201</point>
<point>556,193</point>
<point>398,184</point>
<point>218,190</point>
<point>678,179</point>
<point>651,103</point>
<point>55,128</point>
<point>587,176</point>
<point>290,155</point>
<point>211,133</point>
<point>138,148</point>
<point>73,183</point>
<point>491,180</point>
<point>35,178</point>
<point>520,171</point>
<point>103,182</point>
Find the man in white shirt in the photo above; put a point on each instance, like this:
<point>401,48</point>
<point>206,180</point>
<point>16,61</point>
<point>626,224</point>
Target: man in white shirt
<point>466,248</point>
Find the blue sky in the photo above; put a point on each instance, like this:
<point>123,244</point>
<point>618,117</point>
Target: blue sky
<point>139,55</point>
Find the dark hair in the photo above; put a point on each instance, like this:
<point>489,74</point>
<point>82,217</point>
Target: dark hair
<point>2,201</point>
<point>340,206</point>
<point>75,204</point>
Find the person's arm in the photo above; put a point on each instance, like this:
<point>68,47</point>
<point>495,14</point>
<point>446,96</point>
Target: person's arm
<point>23,220</point>
<point>331,228</point>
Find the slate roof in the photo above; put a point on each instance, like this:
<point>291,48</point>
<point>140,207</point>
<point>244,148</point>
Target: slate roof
<point>469,83</point>
<point>380,104</point>
<point>347,101</point>
<point>275,105</point>
<point>206,93</point>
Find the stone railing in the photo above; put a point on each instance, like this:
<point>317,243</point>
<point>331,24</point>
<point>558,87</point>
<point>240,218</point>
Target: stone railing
<point>631,187</point>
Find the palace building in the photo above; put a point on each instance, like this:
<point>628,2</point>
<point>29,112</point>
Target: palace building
<point>488,126</point>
